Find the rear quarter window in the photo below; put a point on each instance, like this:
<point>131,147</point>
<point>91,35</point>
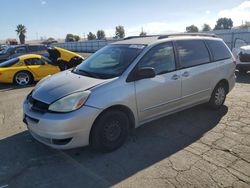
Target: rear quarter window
<point>33,48</point>
<point>20,50</point>
<point>219,50</point>
<point>192,53</point>
<point>42,48</point>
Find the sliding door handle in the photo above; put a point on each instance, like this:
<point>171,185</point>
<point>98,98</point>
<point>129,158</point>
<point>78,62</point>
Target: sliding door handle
<point>185,74</point>
<point>175,77</point>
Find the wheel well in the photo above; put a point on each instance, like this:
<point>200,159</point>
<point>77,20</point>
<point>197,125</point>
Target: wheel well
<point>224,82</point>
<point>122,108</point>
<point>32,77</point>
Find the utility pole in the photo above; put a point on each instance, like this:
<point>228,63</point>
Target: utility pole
<point>84,36</point>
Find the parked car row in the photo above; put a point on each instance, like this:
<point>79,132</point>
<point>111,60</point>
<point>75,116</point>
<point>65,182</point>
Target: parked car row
<point>13,51</point>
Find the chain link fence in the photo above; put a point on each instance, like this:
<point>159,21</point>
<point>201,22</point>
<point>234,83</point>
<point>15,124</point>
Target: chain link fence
<point>85,46</point>
<point>234,38</point>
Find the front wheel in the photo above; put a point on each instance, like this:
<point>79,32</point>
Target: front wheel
<point>23,78</point>
<point>110,131</point>
<point>218,96</point>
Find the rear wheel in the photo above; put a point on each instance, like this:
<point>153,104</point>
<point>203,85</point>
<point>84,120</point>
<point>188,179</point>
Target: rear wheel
<point>218,96</point>
<point>23,78</point>
<point>110,131</point>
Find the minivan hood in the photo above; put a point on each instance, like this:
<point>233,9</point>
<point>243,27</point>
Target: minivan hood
<point>62,84</point>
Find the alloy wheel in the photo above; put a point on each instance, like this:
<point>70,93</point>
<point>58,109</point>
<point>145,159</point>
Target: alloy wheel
<point>220,96</point>
<point>22,78</point>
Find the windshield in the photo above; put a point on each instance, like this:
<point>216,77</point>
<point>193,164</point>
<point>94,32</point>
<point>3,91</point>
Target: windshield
<point>110,61</point>
<point>9,63</point>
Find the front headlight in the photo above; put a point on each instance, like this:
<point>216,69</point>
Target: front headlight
<point>70,103</point>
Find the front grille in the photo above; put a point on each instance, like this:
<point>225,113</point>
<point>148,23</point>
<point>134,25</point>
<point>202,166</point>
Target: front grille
<point>37,105</point>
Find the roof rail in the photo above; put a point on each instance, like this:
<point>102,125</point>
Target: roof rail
<point>188,34</point>
<point>135,37</point>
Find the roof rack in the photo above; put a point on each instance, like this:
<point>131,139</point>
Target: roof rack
<point>135,37</point>
<point>188,34</point>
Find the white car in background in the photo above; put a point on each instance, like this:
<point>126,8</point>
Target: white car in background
<point>242,56</point>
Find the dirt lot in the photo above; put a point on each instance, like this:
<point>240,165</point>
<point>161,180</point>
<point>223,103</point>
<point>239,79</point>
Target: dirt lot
<point>194,148</point>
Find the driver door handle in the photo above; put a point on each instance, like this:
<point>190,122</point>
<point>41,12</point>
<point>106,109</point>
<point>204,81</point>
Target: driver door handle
<point>175,77</point>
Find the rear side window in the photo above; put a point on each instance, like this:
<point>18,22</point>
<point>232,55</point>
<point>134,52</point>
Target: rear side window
<point>42,48</point>
<point>34,61</point>
<point>218,50</point>
<point>161,58</point>
<point>192,53</point>
<point>20,50</point>
<point>45,59</point>
<point>34,48</point>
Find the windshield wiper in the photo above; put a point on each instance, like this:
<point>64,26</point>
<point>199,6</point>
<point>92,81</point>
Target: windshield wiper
<point>88,73</point>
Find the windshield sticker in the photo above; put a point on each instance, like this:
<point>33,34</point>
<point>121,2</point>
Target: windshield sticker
<point>137,46</point>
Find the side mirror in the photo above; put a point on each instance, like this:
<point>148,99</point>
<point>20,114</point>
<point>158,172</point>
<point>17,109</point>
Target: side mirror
<point>146,72</point>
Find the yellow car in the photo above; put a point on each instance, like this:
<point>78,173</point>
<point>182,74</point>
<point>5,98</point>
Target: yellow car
<point>25,69</point>
<point>65,59</point>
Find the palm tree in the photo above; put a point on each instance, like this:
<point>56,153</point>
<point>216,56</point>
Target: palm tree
<point>21,30</point>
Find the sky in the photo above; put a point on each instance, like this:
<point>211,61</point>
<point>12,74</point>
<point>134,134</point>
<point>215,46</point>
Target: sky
<point>56,18</point>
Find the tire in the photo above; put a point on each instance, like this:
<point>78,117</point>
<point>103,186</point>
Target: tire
<point>23,78</point>
<point>110,131</point>
<point>218,96</point>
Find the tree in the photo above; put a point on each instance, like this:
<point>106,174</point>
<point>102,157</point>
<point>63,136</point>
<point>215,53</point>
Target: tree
<point>76,37</point>
<point>206,27</point>
<point>192,29</point>
<point>100,34</point>
<point>245,25</point>
<point>223,23</point>
<point>21,30</point>
<point>69,38</point>
<point>50,39</point>
<point>91,36</point>
<point>143,34</point>
<point>119,32</point>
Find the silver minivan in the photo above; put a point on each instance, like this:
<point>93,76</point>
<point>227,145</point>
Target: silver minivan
<point>127,84</point>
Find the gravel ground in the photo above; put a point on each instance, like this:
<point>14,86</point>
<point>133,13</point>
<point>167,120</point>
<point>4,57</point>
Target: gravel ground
<point>193,148</point>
